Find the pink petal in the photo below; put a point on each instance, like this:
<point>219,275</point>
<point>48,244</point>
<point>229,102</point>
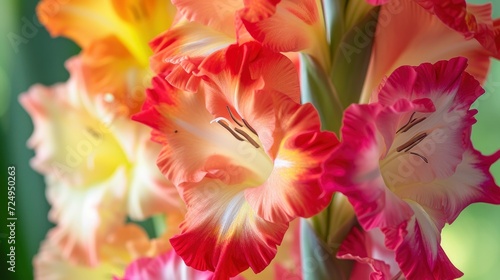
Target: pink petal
<point>404,31</point>
<point>373,259</point>
<point>166,266</point>
<point>419,254</point>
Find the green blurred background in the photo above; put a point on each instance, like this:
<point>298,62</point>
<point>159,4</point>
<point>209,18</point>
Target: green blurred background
<point>28,55</point>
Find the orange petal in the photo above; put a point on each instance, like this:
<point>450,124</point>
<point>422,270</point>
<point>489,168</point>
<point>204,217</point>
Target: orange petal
<point>110,69</point>
<point>114,253</point>
<point>270,25</point>
<point>134,23</point>
<point>185,42</point>
<point>217,14</point>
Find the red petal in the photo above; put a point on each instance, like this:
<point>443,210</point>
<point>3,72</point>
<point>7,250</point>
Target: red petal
<point>222,233</point>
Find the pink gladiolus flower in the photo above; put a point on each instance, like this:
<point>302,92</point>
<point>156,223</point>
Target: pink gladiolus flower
<point>244,155</point>
<point>408,166</point>
<point>408,34</point>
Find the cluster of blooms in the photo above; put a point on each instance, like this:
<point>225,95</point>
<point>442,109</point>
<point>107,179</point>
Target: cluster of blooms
<point>219,120</point>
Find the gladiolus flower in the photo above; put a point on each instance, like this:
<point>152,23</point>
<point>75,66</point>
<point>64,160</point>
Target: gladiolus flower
<point>408,166</point>
<point>244,155</point>
<point>98,165</point>
<point>114,37</point>
<point>408,34</point>
<point>124,245</point>
<point>207,27</point>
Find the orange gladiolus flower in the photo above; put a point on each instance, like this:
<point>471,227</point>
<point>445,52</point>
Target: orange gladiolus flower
<point>243,153</point>
<point>114,37</point>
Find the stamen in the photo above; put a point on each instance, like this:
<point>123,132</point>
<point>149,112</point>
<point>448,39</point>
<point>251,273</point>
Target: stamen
<point>412,142</point>
<point>226,126</point>
<point>135,13</point>
<point>397,276</point>
<point>249,139</point>
<point>250,127</point>
<point>413,123</point>
<point>421,156</point>
<point>232,117</point>
<point>93,132</point>
<point>403,127</point>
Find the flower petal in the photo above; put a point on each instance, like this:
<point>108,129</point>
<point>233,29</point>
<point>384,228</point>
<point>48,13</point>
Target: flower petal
<point>166,266</point>
<point>219,229</point>
<point>371,255</point>
<point>419,254</point>
<point>472,182</point>
<point>242,70</point>
<point>293,189</point>
<point>176,49</point>
<point>405,30</point>
<point>354,170</point>
<point>217,14</point>
<point>110,69</point>
<point>472,21</point>
<point>52,263</point>
<point>287,263</point>
<point>149,193</point>
<point>85,216</point>
<point>212,149</point>
<point>268,21</point>
<point>133,23</point>
<point>72,134</point>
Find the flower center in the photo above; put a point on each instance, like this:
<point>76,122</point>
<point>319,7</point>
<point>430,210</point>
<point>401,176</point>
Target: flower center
<point>415,140</point>
<point>255,159</point>
<point>239,133</point>
<point>396,170</point>
<point>408,146</point>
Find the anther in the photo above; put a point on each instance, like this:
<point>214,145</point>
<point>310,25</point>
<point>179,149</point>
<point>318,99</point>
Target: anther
<point>94,133</point>
<point>421,156</point>
<point>249,139</point>
<point>412,142</point>
<point>413,123</point>
<point>232,117</point>
<point>403,127</point>
<point>250,127</point>
<point>226,126</point>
